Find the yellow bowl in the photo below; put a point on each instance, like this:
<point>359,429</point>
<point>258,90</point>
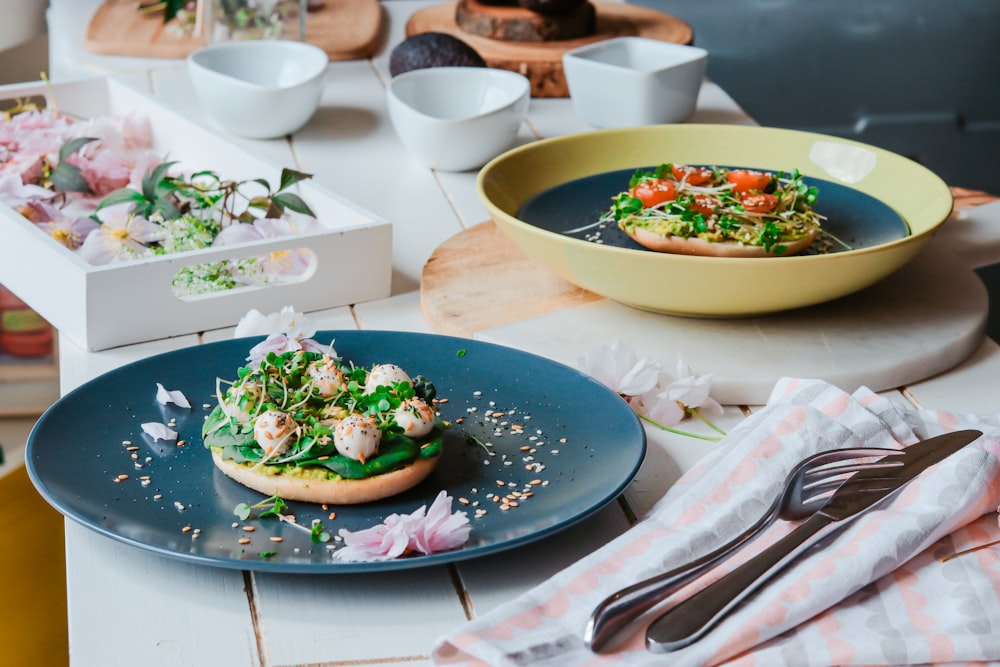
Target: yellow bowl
<point>714,286</point>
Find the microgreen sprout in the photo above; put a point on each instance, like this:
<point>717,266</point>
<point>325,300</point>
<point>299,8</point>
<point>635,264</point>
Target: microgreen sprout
<point>269,507</point>
<point>275,507</point>
<point>473,440</point>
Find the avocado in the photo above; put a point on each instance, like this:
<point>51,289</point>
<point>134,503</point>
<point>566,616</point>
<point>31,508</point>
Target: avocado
<point>432,49</point>
<point>550,7</point>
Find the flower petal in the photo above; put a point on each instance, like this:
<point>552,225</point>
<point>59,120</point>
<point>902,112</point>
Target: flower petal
<point>159,431</point>
<point>175,396</point>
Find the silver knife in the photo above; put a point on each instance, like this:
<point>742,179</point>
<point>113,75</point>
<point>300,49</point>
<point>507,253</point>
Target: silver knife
<point>692,618</point>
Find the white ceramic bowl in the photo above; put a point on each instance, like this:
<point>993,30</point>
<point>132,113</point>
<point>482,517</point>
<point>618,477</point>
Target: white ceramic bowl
<point>632,81</point>
<point>259,89</point>
<point>457,118</point>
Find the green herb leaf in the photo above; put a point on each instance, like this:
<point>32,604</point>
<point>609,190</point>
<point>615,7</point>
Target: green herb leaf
<point>121,196</point>
<point>67,177</point>
<point>73,145</point>
<point>293,202</point>
<point>317,534</point>
<point>290,177</point>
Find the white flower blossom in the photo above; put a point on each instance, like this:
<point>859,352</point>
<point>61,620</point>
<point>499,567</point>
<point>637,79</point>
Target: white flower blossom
<point>616,366</point>
<point>286,330</point>
<point>655,395</point>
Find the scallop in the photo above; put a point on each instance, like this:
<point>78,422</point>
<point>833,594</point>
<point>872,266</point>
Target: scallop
<point>415,417</point>
<point>273,430</point>
<point>385,375</point>
<point>357,437</point>
<point>326,378</point>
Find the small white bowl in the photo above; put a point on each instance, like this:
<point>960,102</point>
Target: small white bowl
<point>259,89</point>
<point>457,118</point>
<point>633,81</point>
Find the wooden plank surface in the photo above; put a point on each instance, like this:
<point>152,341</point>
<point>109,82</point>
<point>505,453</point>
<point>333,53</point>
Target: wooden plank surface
<point>345,29</point>
<point>541,62</point>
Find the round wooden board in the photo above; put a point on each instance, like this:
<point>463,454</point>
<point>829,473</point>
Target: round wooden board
<point>478,279</point>
<point>541,62</point>
<point>345,29</point>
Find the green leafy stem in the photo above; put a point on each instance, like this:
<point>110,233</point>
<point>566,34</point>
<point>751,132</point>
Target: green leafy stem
<point>274,507</point>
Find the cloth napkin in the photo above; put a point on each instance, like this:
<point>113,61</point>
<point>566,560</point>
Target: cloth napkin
<point>874,594</point>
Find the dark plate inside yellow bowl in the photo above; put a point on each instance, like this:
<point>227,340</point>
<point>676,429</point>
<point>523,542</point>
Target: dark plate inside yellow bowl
<point>573,208</point>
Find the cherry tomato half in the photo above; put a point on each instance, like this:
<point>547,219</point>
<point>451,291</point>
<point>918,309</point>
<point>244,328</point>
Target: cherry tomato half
<point>692,175</point>
<point>654,191</point>
<point>703,204</point>
<point>758,203</point>
<point>745,180</point>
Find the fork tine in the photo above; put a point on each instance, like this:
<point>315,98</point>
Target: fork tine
<point>823,490</point>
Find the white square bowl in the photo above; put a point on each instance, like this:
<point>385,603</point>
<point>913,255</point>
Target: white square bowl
<point>633,81</point>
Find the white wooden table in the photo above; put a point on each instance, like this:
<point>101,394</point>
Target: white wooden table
<point>128,607</point>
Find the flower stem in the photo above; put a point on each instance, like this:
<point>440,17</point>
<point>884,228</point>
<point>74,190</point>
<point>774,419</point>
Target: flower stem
<point>968,551</point>
<point>697,413</point>
<point>674,430</point>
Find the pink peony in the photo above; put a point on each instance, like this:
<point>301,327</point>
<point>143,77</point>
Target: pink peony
<point>424,531</point>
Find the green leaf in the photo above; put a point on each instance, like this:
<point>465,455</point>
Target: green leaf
<point>67,177</point>
<point>242,511</point>
<point>317,534</point>
<point>73,145</point>
<point>152,178</point>
<point>121,196</point>
<point>173,6</point>
<point>290,177</point>
<point>293,202</point>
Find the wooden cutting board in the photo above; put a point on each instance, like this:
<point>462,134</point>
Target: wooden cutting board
<point>345,29</point>
<point>541,62</point>
<point>923,320</point>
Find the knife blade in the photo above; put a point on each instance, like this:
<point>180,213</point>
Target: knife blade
<point>689,620</point>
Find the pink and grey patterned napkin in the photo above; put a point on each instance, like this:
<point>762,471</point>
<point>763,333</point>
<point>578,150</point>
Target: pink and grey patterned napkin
<point>875,594</point>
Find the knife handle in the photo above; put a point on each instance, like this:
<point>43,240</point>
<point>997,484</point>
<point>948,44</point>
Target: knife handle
<point>690,619</point>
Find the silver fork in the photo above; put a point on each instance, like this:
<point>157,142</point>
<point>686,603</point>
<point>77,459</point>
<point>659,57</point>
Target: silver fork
<point>806,489</point>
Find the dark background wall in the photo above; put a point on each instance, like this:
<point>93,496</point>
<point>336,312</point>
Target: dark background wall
<point>918,77</point>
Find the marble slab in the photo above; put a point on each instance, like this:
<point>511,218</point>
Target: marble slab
<point>923,320</point>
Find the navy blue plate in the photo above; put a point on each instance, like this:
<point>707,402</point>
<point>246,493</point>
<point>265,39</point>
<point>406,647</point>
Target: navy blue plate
<point>586,445</point>
<point>855,218</point>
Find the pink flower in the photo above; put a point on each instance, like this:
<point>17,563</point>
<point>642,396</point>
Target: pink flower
<point>280,262</point>
<point>105,172</point>
<point>121,235</point>
<point>69,231</point>
<point>286,331</point>
<point>616,366</point>
<point>424,531</point>
<point>692,391</point>
<point>653,394</point>
<point>15,193</point>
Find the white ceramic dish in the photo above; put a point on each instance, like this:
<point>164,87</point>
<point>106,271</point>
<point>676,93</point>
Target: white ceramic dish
<point>259,89</point>
<point>457,118</point>
<point>632,81</point>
